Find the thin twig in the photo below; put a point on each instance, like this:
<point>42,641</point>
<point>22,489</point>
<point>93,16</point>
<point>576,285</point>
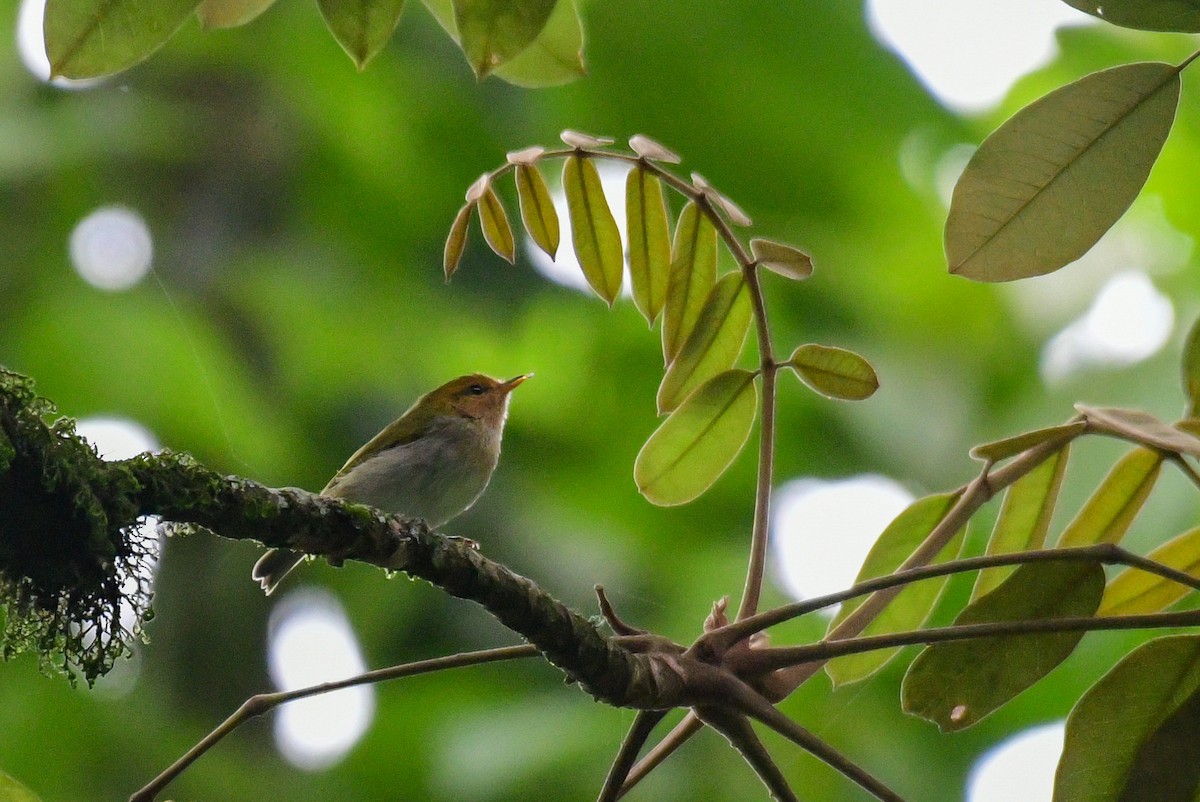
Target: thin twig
<point>1108,553</point>
<point>742,737</point>
<point>264,702</point>
<point>610,615</point>
<point>635,739</point>
<point>1187,469</point>
<point>764,660</point>
<point>684,730</point>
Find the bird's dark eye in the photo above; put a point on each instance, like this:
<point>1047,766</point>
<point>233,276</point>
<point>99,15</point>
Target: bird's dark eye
<point>476,389</point>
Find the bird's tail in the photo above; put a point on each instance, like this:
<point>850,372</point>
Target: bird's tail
<point>273,566</point>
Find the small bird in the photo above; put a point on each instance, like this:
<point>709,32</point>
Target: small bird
<point>431,463</point>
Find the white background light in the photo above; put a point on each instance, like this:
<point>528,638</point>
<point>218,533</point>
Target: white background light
<point>970,52</point>
<point>31,46</point>
<point>111,248</point>
<point>310,642</point>
<point>1021,768</point>
<point>822,530</point>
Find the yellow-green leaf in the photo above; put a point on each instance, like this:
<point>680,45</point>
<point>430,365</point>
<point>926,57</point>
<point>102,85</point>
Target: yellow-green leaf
<point>1146,15</point>
<point>493,32</point>
<point>90,38</point>
<point>13,791</point>
<point>956,683</point>
<point>496,229</point>
<point>456,241</point>
<point>835,372</point>
<point>1132,737</point>
<point>1141,427</point>
<point>361,27</point>
<point>693,274</point>
<point>1024,517</point>
<point>1011,446</point>
<point>1108,514</point>
<point>593,229</point>
<point>1051,180</point>
<point>779,257</point>
<point>1191,370</point>
<point>714,344</point>
<point>537,209</point>
<point>1134,591</point>
<point>649,241</point>
<point>230,13</point>
<point>912,606</point>
<point>698,441</point>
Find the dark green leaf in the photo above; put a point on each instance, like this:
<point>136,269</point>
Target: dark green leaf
<point>361,27</point>
<point>1108,514</point>
<point>90,38</point>
<point>593,229</point>
<point>1142,428</point>
<point>649,241</point>
<point>493,32</point>
<point>456,241</point>
<point>698,441</point>
<point>912,606</point>
<point>1049,182</point>
<point>1146,15</point>
<point>496,229</point>
<point>781,258</point>
<point>1132,737</point>
<point>537,209</point>
<point>693,274</point>
<point>230,13</point>
<point>1191,370</point>
<point>835,372</point>
<point>956,683</point>
<point>1134,591</point>
<point>1011,446</point>
<point>714,344</point>
<point>1024,517</point>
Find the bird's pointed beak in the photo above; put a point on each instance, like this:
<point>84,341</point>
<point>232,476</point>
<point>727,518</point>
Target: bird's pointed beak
<point>515,382</point>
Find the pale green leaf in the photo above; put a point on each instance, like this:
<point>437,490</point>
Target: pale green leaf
<point>912,606</point>
<point>493,32</point>
<point>834,372</point>
<point>496,229</point>
<point>1132,737</point>
<point>13,791</point>
<point>1134,591</point>
<point>90,38</point>
<point>698,441</point>
<point>1146,15</point>
<point>956,683</point>
<point>693,274</point>
<point>230,13</point>
<point>456,240</point>
<point>1024,517</point>
<point>537,209</point>
<point>649,241</point>
<point>1011,446</point>
<point>361,27</point>
<point>714,344</point>
<point>1191,370</point>
<point>650,150</point>
<point>593,228</point>
<point>1141,427</point>
<point>779,257</point>
<point>554,58</point>
<point>1044,187</point>
<point>1107,515</point>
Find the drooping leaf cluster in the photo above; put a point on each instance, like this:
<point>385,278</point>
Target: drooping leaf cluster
<point>525,42</point>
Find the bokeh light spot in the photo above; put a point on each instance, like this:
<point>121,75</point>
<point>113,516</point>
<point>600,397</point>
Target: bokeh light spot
<point>823,529</point>
<point>1021,768</point>
<point>116,438</point>
<point>970,52</point>
<point>311,641</point>
<point>111,248</point>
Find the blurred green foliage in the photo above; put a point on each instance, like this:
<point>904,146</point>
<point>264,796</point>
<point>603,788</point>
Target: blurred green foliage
<point>297,304</point>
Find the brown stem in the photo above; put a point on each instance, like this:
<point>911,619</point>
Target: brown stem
<point>635,739</point>
<point>676,738</point>
<point>265,702</point>
<point>742,737</point>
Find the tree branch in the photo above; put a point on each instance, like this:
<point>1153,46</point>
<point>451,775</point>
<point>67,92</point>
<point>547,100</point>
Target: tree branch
<point>742,737</point>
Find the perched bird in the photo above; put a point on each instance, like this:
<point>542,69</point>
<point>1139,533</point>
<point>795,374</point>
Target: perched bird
<point>431,463</point>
